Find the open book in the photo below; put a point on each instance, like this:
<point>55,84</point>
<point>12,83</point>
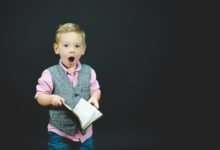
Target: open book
<point>86,113</point>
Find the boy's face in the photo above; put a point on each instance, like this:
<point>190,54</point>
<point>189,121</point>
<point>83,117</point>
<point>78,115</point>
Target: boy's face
<point>70,47</point>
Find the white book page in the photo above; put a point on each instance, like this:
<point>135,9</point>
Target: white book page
<point>86,112</point>
<point>94,116</point>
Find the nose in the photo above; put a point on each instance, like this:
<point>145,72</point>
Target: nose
<point>71,49</point>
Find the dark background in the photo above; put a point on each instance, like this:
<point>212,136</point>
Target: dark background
<point>131,44</point>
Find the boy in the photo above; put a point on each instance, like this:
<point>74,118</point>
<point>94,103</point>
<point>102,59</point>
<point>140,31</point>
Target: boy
<point>68,81</point>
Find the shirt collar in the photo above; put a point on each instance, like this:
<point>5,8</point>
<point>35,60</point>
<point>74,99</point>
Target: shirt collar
<point>78,67</point>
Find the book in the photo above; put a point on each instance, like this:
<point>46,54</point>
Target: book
<point>86,113</point>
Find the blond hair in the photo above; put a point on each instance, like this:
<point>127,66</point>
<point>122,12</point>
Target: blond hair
<point>69,27</point>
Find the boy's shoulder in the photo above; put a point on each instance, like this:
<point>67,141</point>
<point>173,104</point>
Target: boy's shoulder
<point>86,65</point>
<point>85,68</point>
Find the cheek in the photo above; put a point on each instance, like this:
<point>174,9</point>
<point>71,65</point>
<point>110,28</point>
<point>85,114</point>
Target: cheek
<point>77,57</point>
<point>63,53</point>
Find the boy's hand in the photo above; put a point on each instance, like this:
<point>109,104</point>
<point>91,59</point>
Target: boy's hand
<point>94,102</point>
<point>57,100</point>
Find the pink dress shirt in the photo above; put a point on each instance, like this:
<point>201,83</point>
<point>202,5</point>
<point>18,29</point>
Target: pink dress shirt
<point>45,86</point>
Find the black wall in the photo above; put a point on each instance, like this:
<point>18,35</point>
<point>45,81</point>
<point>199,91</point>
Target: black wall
<point>130,44</point>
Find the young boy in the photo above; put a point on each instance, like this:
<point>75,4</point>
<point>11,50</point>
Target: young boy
<point>68,81</point>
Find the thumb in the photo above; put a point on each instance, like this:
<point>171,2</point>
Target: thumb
<point>90,100</point>
<point>62,99</point>
<point>97,105</point>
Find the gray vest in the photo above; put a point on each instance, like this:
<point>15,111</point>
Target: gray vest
<point>61,118</point>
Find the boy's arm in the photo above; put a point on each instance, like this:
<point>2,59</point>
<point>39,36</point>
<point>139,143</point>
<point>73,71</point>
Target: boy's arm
<point>50,100</point>
<point>95,97</point>
<point>44,90</point>
<point>94,90</point>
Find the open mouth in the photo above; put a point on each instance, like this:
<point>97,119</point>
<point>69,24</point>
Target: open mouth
<point>71,58</point>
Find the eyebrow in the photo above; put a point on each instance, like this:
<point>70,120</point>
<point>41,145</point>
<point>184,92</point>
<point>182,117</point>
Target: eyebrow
<point>71,42</point>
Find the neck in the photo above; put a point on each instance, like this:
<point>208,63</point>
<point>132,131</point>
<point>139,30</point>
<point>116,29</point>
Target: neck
<point>72,69</point>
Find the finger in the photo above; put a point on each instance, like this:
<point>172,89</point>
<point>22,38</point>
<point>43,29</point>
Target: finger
<point>59,103</point>
<point>62,100</point>
<point>97,106</point>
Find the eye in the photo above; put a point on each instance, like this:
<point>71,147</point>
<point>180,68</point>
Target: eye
<point>77,46</point>
<point>65,45</point>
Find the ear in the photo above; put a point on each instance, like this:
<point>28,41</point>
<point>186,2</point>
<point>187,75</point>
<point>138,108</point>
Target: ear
<point>55,47</point>
<point>84,49</point>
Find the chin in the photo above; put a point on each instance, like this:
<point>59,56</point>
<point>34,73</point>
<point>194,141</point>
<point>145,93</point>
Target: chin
<point>72,63</point>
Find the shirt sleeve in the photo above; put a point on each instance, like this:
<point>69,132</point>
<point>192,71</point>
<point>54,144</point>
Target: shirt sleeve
<point>45,84</point>
<point>94,84</point>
